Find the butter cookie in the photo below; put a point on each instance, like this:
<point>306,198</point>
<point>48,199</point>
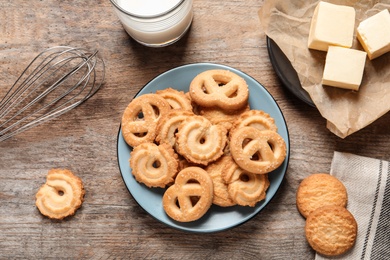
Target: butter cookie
<point>257,151</point>
<point>219,88</point>
<point>168,125</point>
<point>190,197</point>
<point>176,99</point>
<point>139,120</point>
<point>221,194</point>
<point>154,165</point>
<point>331,230</point>
<point>219,116</point>
<point>320,189</point>
<point>255,118</point>
<point>61,195</point>
<point>199,141</point>
<point>245,188</point>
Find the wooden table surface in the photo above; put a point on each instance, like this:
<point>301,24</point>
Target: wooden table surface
<point>110,223</point>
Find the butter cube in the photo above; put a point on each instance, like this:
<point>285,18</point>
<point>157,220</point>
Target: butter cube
<point>331,25</point>
<point>374,34</point>
<point>344,67</point>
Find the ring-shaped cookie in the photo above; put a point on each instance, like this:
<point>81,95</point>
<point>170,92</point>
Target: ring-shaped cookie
<point>221,88</point>
<point>245,188</point>
<point>257,151</point>
<point>168,126</point>
<point>190,197</point>
<point>139,120</point>
<point>199,141</point>
<point>61,195</point>
<point>154,165</point>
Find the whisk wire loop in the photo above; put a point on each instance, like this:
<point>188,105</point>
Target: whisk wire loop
<point>57,80</point>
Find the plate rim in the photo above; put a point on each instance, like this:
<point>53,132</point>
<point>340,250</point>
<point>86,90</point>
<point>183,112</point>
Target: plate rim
<point>192,230</point>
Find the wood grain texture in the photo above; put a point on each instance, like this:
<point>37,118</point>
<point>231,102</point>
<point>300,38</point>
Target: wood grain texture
<point>110,224</point>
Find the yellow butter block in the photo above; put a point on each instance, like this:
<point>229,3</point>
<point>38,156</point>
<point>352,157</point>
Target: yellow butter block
<point>331,25</point>
<point>374,34</point>
<point>344,67</point>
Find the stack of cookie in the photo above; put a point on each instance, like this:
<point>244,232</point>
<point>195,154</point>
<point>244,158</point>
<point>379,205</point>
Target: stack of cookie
<point>330,228</point>
<point>205,146</point>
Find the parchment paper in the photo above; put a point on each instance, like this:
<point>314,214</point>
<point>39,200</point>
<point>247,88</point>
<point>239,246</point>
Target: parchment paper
<point>346,111</point>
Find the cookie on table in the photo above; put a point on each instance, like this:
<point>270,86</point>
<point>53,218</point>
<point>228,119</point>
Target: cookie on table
<point>320,189</point>
<point>331,230</point>
<point>61,195</point>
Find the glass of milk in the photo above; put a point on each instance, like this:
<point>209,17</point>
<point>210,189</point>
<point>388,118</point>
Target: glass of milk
<point>155,23</point>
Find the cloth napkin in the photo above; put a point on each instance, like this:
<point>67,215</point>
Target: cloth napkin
<point>367,181</point>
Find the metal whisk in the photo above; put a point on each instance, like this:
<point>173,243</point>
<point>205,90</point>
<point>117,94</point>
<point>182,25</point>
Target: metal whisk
<point>58,79</point>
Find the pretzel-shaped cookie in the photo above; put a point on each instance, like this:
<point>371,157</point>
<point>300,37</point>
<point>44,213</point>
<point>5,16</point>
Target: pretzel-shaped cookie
<point>245,188</point>
<point>257,151</point>
<point>155,166</point>
<point>190,197</point>
<point>61,195</point>
<point>199,141</point>
<point>221,88</point>
<point>139,120</point>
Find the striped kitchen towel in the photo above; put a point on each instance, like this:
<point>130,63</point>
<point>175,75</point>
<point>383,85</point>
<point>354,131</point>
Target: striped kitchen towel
<point>367,181</point>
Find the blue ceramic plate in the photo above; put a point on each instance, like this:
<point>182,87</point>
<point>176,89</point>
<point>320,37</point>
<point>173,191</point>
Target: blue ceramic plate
<point>217,218</point>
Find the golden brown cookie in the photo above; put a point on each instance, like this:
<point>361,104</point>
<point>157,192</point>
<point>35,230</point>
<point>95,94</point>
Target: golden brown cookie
<point>221,194</point>
<point>245,188</point>
<point>331,230</point>
<point>176,99</point>
<point>168,126</point>
<point>139,120</point>
<point>257,151</point>
<point>190,197</point>
<point>199,141</point>
<point>154,165</point>
<point>320,189</point>
<point>219,88</point>
<point>219,116</point>
<point>61,195</point>
<point>255,118</point>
